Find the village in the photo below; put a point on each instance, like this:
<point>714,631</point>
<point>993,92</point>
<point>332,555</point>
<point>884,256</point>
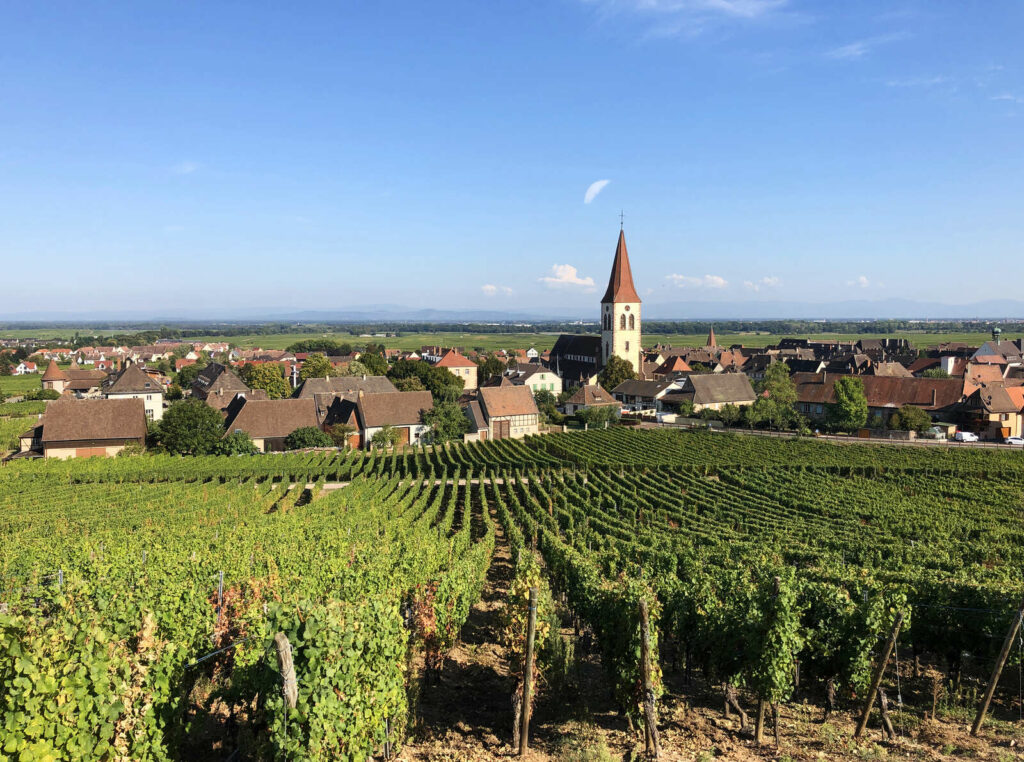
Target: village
<point>102,400</point>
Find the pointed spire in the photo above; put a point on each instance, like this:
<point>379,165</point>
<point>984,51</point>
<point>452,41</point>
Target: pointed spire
<point>711,338</point>
<point>54,373</point>
<point>620,285</point>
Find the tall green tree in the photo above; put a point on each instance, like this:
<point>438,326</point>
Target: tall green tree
<point>491,368</point>
<point>776,402</point>
<point>447,422</point>
<point>316,366</point>
<point>190,427</point>
<point>266,376</point>
<point>615,372</point>
<point>850,410</point>
<point>375,363</point>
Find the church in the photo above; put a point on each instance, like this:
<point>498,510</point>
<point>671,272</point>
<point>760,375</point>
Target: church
<point>578,359</point>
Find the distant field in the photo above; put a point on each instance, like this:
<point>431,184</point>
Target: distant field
<point>10,385</point>
<point>541,341</point>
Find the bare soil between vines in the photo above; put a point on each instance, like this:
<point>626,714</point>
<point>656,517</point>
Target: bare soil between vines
<point>468,715</point>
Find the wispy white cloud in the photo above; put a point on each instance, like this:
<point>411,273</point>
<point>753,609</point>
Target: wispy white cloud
<point>185,168</point>
<point>563,276</point>
<point>860,48</point>
<point>697,281</point>
<point>593,189</point>
<point>1010,97</point>
<point>861,281</point>
<point>672,18</point>
<point>490,289</point>
<point>917,82</point>
<point>768,281</point>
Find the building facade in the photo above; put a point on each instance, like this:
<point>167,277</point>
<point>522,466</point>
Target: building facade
<point>620,312</point>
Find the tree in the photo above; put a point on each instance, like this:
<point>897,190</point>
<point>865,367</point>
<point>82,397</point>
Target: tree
<point>443,386</point>
<point>597,416</point>
<point>340,433</point>
<point>385,438</point>
<point>307,436</point>
<point>447,422</point>
<point>935,373</point>
<point>187,375</point>
<point>615,372</point>
<point>326,346</point>
<point>850,410</point>
<point>268,377</point>
<point>776,398</point>
<point>41,394</point>
<point>316,366</point>
<point>375,363</point>
<point>490,368</point>
<point>547,404</point>
<point>729,414</point>
<point>354,368</point>
<point>190,427</point>
<point>236,443</point>
<point>174,392</point>
<point>410,384</point>
<point>910,418</point>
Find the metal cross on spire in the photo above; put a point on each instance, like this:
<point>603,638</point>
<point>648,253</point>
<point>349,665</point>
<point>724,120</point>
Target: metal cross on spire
<point>622,220</point>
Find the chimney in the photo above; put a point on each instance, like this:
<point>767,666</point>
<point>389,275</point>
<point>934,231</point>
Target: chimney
<point>824,376</point>
<point>934,397</point>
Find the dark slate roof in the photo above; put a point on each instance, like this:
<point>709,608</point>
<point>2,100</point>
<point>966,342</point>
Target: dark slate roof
<point>345,385</point>
<point>709,389</point>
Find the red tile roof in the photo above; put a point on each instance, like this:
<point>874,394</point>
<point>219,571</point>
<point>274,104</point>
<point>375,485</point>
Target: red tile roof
<point>620,285</point>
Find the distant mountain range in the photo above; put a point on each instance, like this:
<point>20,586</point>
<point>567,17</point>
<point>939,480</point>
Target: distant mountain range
<point>864,309</point>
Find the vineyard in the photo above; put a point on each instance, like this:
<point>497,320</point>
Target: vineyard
<point>140,597</point>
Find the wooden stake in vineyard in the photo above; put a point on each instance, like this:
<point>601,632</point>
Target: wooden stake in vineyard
<point>524,732</point>
<point>651,741</point>
<point>876,680</point>
<point>289,685</point>
<point>1000,662</point>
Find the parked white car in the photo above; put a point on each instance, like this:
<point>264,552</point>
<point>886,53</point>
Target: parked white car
<point>966,436</point>
<point>1014,440</point>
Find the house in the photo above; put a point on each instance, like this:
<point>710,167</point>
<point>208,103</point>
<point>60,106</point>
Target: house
<point>890,369</point>
<point>977,376</point>
<point>537,378</point>
<point>345,385</point>
<point>459,366</point>
<point>217,385</point>
<point>591,395</point>
<point>673,367</point>
<point>576,359</point>
<point>24,367</point>
<point>134,383</point>
<point>54,378</point>
<point>713,392</point>
<point>478,431</point>
<point>369,412</point>
<point>83,428</point>
<point>804,366</point>
<point>639,395</point>
<point>993,412</point>
<point>269,422</point>
<point>885,395</point>
<point>509,412</point>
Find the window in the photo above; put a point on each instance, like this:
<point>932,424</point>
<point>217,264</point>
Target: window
<point>622,322</point>
<point>627,346</point>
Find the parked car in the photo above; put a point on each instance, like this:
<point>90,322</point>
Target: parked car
<point>966,436</point>
<point>1014,440</point>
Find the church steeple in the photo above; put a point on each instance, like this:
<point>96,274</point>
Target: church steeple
<point>620,312</point>
<point>620,285</point>
<point>711,339</point>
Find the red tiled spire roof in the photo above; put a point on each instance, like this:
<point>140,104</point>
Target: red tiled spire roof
<point>711,338</point>
<point>620,285</point>
<point>54,373</point>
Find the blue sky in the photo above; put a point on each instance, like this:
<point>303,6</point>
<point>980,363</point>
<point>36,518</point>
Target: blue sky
<point>209,157</point>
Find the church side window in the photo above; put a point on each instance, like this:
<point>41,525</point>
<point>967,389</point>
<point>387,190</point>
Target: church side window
<point>622,322</point>
<point>632,324</point>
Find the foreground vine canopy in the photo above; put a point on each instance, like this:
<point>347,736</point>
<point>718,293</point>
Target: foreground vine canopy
<point>141,596</point>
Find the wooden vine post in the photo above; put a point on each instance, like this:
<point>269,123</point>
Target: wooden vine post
<point>876,680</point>
<point>761,704</point>
<point>652,743</point>
<point>524,732</point>
<point>1000,663</point>
<point>289,685</point>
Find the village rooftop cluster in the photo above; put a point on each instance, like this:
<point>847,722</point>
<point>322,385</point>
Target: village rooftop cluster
<point>110,398</point>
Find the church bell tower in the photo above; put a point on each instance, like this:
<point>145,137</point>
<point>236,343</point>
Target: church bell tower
<point>620,312</point>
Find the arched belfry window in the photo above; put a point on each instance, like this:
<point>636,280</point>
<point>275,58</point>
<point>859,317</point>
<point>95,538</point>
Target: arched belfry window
<point>632,323</point>
<point>622,322</point>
